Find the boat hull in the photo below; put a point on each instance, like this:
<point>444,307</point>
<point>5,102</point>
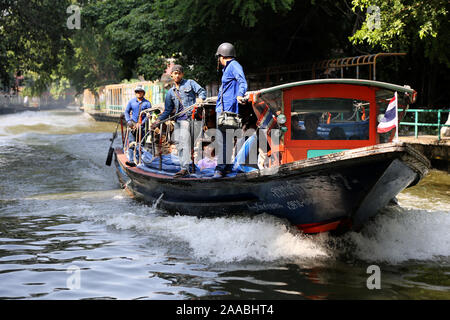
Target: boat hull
<point>337,191</point>
<point>103,117</point>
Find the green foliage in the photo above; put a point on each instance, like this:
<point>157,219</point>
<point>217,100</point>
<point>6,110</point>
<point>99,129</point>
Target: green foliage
<point>143,34</point>
<point>126,39</point>
<point>210,12</point>
<point>59,87</point>
<point>33,33</point>
<point>91,64</point>
<point>405,24</point>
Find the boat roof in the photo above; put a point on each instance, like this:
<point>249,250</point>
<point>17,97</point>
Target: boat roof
<point>360,82</point>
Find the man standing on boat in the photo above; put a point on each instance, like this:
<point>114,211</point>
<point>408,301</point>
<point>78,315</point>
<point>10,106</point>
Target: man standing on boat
<point>231,94</point>
<point>134,108</point>
<point>182,95</point>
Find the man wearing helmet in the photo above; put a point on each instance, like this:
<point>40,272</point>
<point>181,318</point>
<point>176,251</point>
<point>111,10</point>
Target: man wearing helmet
<point>231,93</point>
<point>134,108</point>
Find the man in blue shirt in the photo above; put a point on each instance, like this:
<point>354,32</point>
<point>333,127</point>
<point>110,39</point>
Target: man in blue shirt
<point>231,94</point>
<point>182,95</point>
<point>135,106</point>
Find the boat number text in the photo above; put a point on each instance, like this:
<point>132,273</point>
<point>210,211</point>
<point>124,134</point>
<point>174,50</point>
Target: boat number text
<point>288,190</point>
<point>295,204</point>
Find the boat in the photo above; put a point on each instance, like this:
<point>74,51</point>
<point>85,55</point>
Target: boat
<point>319,183</point>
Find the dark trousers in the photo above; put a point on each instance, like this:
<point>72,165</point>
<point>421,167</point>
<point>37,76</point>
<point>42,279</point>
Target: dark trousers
<point>225,166</point>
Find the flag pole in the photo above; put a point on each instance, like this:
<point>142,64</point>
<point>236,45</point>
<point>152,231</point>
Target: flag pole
<point>396,117</point>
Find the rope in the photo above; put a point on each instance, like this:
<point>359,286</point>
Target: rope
<point>139,137</point>
<point>190,108</point>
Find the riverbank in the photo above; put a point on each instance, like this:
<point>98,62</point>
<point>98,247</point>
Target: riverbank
<point>10,109</point>
<point>437,151</point>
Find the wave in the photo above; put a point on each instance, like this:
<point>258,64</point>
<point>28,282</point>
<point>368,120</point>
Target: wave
<point>396,235</point>
<point>51,122</point>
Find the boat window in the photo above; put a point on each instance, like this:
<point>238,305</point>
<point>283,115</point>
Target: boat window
<point>329,119</point>
<point>270,103</point>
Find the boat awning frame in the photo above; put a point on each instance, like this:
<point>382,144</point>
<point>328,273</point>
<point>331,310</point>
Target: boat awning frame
<point>360,82</point>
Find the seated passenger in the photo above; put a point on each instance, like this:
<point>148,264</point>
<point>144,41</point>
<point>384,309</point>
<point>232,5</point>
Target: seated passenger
<point>295,127</point>
<point>263,159</point>
<point>337,133</point>
<point>310,132</point>
<point>209,161</point>
<point>170,148</point>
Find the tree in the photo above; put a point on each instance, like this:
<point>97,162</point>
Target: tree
<point>33,33</point>
<point>90,64</point>
<point>125,39</point>
<point>404,24</point>
<point>143,34</point>
<point>419,28</point>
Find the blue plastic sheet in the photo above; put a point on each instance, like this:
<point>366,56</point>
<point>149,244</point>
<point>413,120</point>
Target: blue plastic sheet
<point>171,163</point>
<point>242,155</point>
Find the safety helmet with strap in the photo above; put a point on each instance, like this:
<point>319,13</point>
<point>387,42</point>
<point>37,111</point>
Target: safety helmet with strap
<point>226,50</point>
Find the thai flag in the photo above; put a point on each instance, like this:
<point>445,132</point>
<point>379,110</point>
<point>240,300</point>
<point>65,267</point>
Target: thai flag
<point>390,119</point>
<point>265,116</point>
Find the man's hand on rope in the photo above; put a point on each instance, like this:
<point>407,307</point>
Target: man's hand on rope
<point>154,125</point>
<point>131,124</point>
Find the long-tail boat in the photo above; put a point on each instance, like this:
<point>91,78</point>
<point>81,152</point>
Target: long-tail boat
<point>335,176</point>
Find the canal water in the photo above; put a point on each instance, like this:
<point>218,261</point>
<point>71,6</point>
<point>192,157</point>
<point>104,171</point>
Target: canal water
<point>67,231</point>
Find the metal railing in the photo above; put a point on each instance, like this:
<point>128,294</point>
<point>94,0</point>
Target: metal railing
<point>418,124</point>
<point>338,65</point>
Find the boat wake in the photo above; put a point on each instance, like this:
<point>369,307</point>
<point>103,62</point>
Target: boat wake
<point>50,122</point>
<point>231,239</point>
<point>400,234</point>
<point>397,235</point>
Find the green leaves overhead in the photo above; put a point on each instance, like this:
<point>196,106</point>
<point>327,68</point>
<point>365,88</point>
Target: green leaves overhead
<point>210,12</point>
<point>33,33</point>
<point>404,24</point>
<point>126,39</point>
<point>144,33</point>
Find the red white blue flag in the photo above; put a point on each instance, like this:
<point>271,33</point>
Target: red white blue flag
<point>390,118</point>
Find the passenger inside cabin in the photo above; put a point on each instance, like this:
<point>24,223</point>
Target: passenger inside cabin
<point>310,133</point>
<point>337,133</point>
<point>295,126</point>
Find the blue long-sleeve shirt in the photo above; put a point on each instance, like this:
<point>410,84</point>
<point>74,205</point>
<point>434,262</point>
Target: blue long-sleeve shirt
<point>188,91</point>
<point>133,107</point>
<point>233,86</point>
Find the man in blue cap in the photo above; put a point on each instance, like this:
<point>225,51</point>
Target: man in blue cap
<point>182,95</point>
<point>134,108</point>
<point>231,94</point>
